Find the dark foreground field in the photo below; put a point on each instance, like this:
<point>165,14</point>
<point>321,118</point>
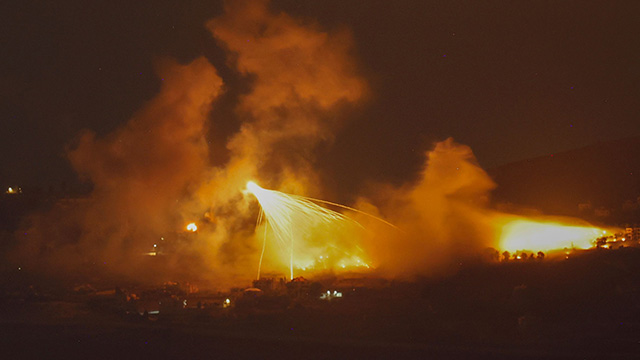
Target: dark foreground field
<point>585,307</point>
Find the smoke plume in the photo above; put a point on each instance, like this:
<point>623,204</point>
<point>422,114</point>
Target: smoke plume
<point>443,217</point>
<point>301,78</point>
<point>140,174</point>
<point>153,175</point>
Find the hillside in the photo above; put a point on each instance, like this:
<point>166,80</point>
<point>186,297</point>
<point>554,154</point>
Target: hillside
<point>600,182</point>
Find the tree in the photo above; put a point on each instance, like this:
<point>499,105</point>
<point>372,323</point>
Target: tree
<point>506,255</point>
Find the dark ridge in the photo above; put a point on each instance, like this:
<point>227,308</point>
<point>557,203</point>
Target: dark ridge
<point>599,182</point>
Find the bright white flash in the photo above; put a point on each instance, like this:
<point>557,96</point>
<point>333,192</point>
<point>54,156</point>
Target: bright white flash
<point>292,218</point>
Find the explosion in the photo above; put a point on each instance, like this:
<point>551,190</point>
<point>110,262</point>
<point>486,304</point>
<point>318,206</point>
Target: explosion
<point>294,221</point>
<point>531,235</point>
<point>155,174</point>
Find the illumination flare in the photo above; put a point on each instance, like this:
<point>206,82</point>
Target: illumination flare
<point>293,218</point>
<point>533,235</point>
<point>192,227</point>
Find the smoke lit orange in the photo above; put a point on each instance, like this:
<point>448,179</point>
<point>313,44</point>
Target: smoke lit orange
<point>532,235</point>
<point>296,220</point>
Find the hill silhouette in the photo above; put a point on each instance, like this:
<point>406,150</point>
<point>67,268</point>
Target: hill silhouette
<point>599,182</point>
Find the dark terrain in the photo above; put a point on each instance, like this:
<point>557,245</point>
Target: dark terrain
<point>587,306</point>
<point>604,177</point>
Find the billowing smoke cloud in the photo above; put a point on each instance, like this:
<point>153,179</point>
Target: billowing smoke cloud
<point>301,76</point>
<point>153,175</point>
<point>140,173</point>
<point>443,217</point>
<point>446,220</point>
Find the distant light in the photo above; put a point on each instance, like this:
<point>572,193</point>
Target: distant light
<point>192,227</point>
<point>154,245</point>
<point>328,295</point>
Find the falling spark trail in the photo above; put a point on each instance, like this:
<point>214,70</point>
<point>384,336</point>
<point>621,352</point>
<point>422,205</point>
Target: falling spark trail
<point>281,211</point>
<point>349,208</point>
<point>264,242</point>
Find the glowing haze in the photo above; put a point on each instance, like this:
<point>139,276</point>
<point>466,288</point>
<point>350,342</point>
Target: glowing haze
<point>310,235</point>
<point>154,181</point>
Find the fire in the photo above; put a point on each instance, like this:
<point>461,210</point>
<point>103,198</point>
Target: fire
<point>532,235</point>
<point>12,190</point>
<point>252,187</point>
<point>192,227</point>
<point>311,237</point>
<point>305,231</point>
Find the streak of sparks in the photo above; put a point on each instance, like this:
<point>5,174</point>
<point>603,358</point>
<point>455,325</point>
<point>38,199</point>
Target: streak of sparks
<point>293,218</point>
<point>546,236</point>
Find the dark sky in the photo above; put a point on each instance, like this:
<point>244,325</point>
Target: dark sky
<point>512,79</point>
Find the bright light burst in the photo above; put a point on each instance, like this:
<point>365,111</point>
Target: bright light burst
<point>293,219</point>
<point>545,236</point>
<point>192,227</point>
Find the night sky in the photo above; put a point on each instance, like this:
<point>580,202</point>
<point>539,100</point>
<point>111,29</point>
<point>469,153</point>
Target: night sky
<point>511,79</point>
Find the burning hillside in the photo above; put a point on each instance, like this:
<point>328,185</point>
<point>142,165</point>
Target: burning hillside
<point>153,176</point>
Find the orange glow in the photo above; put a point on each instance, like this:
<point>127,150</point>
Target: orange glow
<point>311,237</point>
<point>532,235</point>
<point>253,187</point>
<point>12,190</point>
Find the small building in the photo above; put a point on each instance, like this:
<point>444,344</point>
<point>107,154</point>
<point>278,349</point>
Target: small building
<point>632,233</point>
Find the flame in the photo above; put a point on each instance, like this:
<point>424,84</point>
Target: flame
<point>293,221</point>
<point>303,229</point>
<point>533,235</point>
<point>12,190</point>
<point>252,187</point>
<point>301,76</point>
